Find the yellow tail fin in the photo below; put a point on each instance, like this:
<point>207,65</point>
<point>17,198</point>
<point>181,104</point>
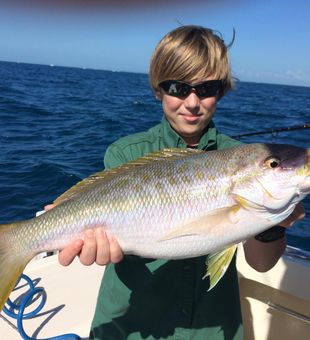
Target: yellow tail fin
<point>11,263</point>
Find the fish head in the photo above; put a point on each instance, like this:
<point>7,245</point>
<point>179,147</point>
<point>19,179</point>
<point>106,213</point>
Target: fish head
<point>276,178</point>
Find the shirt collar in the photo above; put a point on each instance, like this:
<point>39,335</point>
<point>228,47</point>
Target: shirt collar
<point>171,139</point>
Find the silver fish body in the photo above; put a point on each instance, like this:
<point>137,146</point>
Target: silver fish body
<point>174,203</point>
<point>143,204</point>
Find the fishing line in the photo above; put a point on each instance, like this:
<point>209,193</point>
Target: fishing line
<point>32,294</point>
<point>277,130</point>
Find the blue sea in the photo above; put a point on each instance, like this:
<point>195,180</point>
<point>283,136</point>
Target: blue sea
<point>56,123</point>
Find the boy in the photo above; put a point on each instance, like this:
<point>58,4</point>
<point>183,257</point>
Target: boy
<point>145,298</point>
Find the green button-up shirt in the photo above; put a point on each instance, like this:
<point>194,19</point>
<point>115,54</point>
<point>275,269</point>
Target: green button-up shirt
<point>158,299</point>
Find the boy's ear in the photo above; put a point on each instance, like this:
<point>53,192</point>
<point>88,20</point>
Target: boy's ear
<point>159,96</point>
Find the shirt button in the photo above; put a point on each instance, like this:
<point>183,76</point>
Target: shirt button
<point>185,311</point>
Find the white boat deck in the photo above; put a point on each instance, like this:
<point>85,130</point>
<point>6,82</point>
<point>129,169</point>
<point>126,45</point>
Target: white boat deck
<point>71,299</point>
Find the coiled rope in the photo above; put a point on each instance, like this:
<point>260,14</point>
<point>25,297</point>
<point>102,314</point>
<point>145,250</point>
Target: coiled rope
<point>20,315</point>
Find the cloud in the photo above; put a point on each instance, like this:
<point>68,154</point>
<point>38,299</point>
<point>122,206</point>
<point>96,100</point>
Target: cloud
<point>298,74</point>
<point>297,77</point>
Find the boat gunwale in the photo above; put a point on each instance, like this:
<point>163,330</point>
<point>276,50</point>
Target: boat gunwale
<point>297,255</point>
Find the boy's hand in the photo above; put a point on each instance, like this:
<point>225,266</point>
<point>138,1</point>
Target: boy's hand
<point>97,247</point>
<point>297,215</point>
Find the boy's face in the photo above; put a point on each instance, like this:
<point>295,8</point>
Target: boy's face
<point>189,116</point>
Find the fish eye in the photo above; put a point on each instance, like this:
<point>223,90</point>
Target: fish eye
<point>272,162</point>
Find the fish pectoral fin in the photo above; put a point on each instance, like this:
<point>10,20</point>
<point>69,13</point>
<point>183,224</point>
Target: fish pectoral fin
<point>218,263</point>
<point>222,217</point>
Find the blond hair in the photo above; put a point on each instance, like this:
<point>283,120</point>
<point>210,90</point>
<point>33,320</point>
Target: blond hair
<point>190,53</point>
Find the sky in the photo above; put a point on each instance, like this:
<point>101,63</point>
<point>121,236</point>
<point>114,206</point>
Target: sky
<point>271,44</point>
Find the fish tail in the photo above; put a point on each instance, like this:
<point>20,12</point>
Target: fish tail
<point>12,263</point>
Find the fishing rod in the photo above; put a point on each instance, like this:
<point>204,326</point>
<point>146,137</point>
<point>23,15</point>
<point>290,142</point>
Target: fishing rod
<point>271,131</point>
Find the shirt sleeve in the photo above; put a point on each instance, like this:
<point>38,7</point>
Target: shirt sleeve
<point>225,142</point>
<point>114,157</point>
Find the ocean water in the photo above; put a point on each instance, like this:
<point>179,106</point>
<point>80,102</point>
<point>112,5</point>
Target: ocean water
<point>56,123</point>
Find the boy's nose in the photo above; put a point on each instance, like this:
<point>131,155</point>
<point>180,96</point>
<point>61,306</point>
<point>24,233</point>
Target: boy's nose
<point>192,101</point>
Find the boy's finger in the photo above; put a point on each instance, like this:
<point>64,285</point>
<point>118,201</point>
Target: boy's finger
<point>49,207</point>
<point>67,255</point>
<point>89,250</point>
<point>103,247</point>
<point>116,253</point>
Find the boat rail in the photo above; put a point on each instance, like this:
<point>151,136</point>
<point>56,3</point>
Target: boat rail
<point>297,255</point>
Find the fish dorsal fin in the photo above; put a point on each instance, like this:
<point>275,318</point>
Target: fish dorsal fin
<point>151,158</point>
<point>162,155</point>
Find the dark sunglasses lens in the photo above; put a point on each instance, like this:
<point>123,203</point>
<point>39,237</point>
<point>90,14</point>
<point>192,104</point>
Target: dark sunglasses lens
<point>206,89</point>
<point>174,88</point>
<point>210,88</point>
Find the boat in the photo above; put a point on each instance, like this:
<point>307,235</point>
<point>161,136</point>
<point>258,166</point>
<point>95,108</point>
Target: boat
<point>275,305</point>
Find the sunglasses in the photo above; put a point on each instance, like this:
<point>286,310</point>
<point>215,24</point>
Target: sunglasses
<point>180,89</point>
